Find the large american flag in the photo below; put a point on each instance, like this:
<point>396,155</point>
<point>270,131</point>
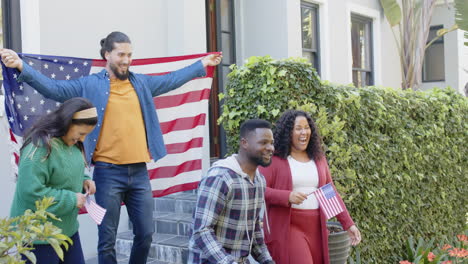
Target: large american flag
<point>182,113</point>
<point>328,200</point>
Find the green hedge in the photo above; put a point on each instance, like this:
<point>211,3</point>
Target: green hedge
<point>399,158</point>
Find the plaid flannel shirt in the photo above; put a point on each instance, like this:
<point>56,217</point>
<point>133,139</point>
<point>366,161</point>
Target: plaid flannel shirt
<point>220,232</point>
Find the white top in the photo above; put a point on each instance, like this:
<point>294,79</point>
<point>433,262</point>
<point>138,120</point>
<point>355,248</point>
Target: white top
<point>304,179</point>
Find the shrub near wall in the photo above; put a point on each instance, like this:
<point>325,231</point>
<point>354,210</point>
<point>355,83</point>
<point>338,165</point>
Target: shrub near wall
<point>399,158</point>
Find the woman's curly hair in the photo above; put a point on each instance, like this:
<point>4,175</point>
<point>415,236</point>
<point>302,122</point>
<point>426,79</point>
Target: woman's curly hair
<point>283,132</point>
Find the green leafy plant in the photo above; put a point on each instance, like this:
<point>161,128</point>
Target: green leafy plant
<point>265,85</point>
<point>398,158</point>
<point>17,234</point>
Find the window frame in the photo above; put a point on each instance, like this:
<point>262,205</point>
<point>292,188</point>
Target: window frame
<point>437,42</point>
<point>218,142</point>
<point>11,15</point>
<point>316,51</point>
<point>11,26</point>
<point>370,25</point>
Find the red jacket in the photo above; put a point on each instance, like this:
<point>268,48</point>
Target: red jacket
<point>279,186</point>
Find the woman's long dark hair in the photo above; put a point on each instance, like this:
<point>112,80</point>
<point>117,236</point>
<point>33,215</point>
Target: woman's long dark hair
<point>57,123</point>
<point>283,133</point>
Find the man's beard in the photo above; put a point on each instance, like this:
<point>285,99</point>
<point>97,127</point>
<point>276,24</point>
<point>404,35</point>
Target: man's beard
<point>120,76</point>
<point>259,161</point>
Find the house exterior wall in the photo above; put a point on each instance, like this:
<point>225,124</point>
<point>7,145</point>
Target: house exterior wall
<point>455,53</point>
<point>266,27</point>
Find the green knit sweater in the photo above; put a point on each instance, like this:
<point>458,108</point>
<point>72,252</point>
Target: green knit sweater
<point>61,175</point>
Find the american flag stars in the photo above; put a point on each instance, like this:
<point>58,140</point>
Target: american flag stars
<point>25,104</point>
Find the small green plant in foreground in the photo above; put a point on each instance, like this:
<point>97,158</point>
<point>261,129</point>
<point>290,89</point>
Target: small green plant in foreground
<point>17,234</point>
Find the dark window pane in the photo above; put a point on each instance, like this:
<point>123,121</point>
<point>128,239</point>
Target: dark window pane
<point>434,58</point>
<point>309,34</point>
<point>434,66</point>
<point>433,33</point>
<point>225,15</point>
<point>226,47</point>
<point>360,39</point>
<point>1,27</point>
<point>362,78</point>
<point>310,56</point>
<point>355,45</point>
<point>361,48</point>
<point>225,72</point>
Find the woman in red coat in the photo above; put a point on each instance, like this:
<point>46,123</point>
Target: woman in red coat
<point>296,230</point>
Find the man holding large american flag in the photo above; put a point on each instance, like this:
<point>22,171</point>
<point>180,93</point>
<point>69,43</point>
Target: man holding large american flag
<point>128,133</point>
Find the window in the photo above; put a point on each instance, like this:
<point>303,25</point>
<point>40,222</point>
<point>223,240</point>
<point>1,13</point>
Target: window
<point>221,37</point>
<point>10,27</point>
<point>361,44</point>
<point>310,34</point>
<point>434,66</point>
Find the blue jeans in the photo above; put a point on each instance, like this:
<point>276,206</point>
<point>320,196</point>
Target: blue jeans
<point>45,253</point>
<point>130,184</point>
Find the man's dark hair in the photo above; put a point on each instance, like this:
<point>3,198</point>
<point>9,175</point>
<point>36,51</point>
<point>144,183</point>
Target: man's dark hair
<point>252,124</point>
<point>107,43</point>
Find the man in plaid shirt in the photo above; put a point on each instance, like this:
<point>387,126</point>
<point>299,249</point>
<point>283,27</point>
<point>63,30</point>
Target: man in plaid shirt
<point>227,221</point>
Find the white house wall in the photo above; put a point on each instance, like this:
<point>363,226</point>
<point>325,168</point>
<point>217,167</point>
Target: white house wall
<point>264,30</point>
<point>272,27</point>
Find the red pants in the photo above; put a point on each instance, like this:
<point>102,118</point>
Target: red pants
<point>305,237</point>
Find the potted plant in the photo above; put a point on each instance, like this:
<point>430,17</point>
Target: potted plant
<point>339,243</point>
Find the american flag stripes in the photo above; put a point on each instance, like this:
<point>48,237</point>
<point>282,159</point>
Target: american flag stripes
<point>328,200</point>
<point>182,113</point>
<point>95,211</point>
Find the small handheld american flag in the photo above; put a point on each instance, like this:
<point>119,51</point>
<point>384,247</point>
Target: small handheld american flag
<point>328,201</point>
<point>95,211</point>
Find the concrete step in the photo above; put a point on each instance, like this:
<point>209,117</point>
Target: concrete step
<point>167,248</point>
<point>121,259</point>
<point>172,223</point>
<point>176,203</point>
<point>172,217</point>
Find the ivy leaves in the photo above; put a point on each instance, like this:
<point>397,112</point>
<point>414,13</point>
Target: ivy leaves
<point>399,158</point>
